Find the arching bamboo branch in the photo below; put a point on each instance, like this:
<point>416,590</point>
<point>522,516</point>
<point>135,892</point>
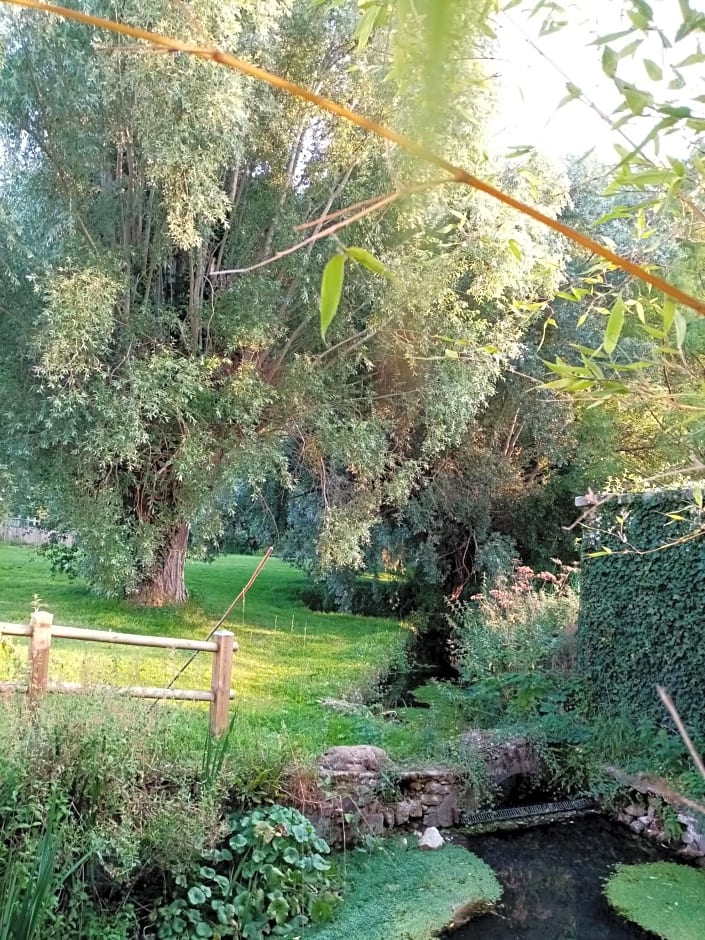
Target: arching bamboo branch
<point>401,140</point>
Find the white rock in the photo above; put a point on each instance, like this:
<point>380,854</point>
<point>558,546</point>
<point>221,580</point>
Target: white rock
<point>431,839</point>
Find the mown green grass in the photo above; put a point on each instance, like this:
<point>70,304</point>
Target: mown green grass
<point>289,656</point>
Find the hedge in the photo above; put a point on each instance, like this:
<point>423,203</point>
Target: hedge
<point>642,616</point>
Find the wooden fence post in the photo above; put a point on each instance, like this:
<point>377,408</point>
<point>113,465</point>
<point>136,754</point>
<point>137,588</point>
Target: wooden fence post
<point>220,681</point>
<point>39,650</point>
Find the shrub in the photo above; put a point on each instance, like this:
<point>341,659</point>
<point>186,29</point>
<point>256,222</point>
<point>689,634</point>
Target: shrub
<point>520,623</point>
<point>269,873</point>
<point>662,897</point>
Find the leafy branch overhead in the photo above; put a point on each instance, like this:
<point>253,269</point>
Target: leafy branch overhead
<point>406,143</point>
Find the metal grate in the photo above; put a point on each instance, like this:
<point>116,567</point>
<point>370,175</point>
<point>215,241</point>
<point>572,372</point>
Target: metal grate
<point>527,812</point>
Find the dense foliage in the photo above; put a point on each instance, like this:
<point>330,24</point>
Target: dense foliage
<point>641,622</point>
<point>663,898</point>
<point>268,876</point>
<point>155,352</point>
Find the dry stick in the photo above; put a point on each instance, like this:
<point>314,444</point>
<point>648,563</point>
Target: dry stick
<point>401,140</point>
<point>673,712</point>
<point>324,233</point>
<point>404,191</point>
<point>243,592</point>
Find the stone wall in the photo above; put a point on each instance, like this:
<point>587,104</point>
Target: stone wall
<point>359,792</point>
<point>644,815</point>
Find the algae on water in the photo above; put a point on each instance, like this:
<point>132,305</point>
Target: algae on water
<point>403,893</point>
<point>663,897</point>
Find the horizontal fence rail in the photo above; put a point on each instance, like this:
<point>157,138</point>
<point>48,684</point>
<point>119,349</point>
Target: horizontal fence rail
<point>41,630</point>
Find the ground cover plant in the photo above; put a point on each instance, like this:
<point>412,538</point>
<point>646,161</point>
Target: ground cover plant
<point>267,875</point>
<point>399,891</point>
<point>664,898</point>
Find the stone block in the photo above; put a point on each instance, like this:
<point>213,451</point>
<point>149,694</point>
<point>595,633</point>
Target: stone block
<point>431,840</point>
<point>374,823</point>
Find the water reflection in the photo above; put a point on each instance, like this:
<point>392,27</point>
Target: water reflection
<point>552,878</point>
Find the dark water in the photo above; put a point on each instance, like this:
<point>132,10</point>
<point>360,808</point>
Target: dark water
<point>552,878</point>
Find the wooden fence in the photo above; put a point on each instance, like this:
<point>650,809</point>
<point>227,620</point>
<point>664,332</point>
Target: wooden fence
<point>41,630</point>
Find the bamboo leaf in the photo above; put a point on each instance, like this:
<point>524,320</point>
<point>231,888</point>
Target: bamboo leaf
<point>366,27</point>
<point>331,291</point>
<point>367,260</point>
<point>669,311</point>
<point>515,249</point>
<point>614,327</point>
<point>609,61</point>
<point>653,70</point>
<point>681,325</point>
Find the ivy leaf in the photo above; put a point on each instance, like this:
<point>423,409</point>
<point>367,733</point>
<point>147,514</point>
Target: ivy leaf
<point>614,327</point>
<point>331,291</point>
<point>368,260</point>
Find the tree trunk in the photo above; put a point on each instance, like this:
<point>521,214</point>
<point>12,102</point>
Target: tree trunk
<point>167,584</point>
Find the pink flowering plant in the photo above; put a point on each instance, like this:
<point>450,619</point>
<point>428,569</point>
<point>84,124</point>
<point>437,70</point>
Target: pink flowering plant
<point>521,622</point>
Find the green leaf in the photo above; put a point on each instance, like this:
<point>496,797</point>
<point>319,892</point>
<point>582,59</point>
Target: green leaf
<point>681,326</point>
<point>610,37</point>
<point>697,58</point>
<point>196,896</point>
<point>331,291</point>
<point>614,327</point>
<point>653,70</point>
<point>669,311</point>
<point>635,99</point>
<point>515,249</point>
<point>367,260</point>
<point>366,26</point>
<point>573,93</point>
<point>610,59</point>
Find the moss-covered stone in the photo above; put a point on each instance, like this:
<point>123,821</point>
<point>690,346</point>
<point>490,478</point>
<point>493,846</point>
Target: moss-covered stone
<point>403,893</point>
<point>662,897</point>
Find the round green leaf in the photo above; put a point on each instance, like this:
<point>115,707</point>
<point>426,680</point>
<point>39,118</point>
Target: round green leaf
<point>196,896</point>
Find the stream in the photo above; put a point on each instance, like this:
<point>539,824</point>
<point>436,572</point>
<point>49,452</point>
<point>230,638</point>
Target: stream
<point>552,878</point>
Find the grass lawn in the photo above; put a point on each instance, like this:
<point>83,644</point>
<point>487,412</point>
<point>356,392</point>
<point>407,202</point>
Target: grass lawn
<point>289,656</point>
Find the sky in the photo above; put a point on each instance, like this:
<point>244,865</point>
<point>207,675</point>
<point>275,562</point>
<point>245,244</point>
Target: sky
<point>532,71</point>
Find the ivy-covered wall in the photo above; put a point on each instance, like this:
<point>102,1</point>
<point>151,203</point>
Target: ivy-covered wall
<point>642,616</point>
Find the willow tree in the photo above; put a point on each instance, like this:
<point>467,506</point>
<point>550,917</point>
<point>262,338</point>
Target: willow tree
<point>154,345</point>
